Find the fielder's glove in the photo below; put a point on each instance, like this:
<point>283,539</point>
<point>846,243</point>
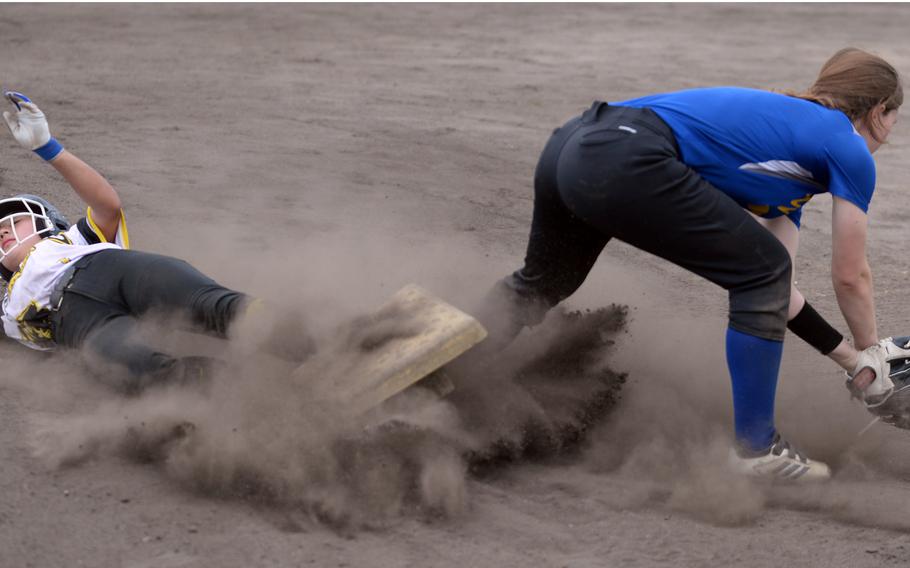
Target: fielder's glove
<point>888,396</point>
<point>29,127</point>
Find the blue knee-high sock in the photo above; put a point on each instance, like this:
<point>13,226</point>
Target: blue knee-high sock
<point>754,363</point>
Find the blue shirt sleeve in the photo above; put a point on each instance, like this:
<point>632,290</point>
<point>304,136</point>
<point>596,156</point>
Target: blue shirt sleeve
<point>851,168</point>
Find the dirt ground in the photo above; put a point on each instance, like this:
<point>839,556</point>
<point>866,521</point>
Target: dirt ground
<point>325,155</point>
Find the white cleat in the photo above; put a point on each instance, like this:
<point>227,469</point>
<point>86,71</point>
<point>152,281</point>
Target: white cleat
<point>781,462</point>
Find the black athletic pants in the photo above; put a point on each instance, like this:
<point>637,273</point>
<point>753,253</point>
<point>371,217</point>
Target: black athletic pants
<point>616,172</point>
<point>111,289</point>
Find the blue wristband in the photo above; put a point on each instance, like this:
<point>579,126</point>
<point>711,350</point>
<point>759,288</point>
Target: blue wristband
<point>50,150</point>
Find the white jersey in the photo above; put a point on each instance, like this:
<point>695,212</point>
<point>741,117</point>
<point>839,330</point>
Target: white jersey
<point>26,303</point>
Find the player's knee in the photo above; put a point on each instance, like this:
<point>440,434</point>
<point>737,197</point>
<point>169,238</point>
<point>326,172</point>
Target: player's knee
<point>214,308</point>
<point>128,371</point>
<point>760,306</point>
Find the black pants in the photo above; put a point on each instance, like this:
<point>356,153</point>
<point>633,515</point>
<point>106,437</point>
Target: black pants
<point>111,289</point>
<point>616,172</point>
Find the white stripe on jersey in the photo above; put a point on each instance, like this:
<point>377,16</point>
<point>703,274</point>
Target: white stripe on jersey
<point>785,169</point>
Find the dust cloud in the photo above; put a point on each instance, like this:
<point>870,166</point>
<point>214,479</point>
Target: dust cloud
<point>669,440</point>
<point>257,431</point>
<point>644,402</point>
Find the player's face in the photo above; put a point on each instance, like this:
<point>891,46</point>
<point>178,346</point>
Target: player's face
<point>15,249</point>
<point>889,119</point>
<point>876,133</point>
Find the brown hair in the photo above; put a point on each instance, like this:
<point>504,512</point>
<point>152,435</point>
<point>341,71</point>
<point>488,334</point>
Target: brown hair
<point>854,82</point>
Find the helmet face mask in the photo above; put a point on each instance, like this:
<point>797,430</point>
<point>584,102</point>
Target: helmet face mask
<point>45,219</point>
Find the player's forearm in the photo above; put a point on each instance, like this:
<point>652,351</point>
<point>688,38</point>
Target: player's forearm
<point>855,298</point>
<point>845,355</point>
<point>29,127</point>
<point>91,186</point>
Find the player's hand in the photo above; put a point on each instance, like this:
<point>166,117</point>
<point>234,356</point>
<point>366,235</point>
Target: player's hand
<point>888,394</point>
<point>882,358</point>
<point>29,126</point>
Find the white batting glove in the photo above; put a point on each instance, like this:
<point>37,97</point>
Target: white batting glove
<point>29,127</point>
<point>879,358</point>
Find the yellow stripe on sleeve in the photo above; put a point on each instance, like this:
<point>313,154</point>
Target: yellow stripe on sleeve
<point>91,223</point>
<point>122,232</point>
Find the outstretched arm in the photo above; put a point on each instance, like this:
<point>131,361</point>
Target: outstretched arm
<point>850,272</point>
<point>29,127</point>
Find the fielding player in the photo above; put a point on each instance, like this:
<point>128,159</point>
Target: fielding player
<point>714,180</point>
<point>80,286</point>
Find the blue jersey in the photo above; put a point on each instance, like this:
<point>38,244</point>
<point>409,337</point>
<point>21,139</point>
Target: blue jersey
<point>770,152</point>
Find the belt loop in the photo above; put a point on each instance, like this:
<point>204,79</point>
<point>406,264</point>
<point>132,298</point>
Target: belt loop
<point>593,113</point>
<point>60,287</point>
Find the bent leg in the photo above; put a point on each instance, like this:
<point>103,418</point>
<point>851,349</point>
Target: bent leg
<point>157,282</point>
<point>117,355</point>
<point>136,283</point>
<point>658,204</point>
<point>561,250</point>
<point>704,231</point>
<point>670,211</point>
<point>115,352</point>
<point>161,282</point>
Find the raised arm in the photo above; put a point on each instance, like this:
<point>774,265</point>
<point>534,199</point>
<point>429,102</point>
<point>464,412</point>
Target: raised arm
<point>94,190</point>
<point>850,272</point>
<point>29,127</point>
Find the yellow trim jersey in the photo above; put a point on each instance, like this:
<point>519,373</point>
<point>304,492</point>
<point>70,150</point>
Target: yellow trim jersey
<point>26,302</point>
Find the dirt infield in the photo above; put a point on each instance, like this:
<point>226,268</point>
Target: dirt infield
<point>325,155</point>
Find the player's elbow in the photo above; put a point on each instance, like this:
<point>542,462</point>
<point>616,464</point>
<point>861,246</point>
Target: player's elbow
<point>851,279</point>
<point>108,205</point>
<point>115,204</point>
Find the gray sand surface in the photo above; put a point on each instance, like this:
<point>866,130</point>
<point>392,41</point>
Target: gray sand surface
<point>326,155</point>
